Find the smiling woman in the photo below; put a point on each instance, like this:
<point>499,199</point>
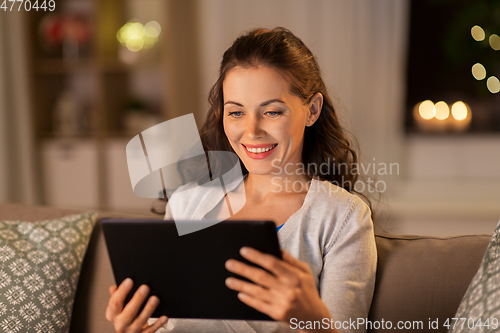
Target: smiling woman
<point>271,108</point>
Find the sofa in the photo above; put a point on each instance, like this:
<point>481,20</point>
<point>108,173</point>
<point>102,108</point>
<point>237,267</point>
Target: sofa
<point>419,279</point>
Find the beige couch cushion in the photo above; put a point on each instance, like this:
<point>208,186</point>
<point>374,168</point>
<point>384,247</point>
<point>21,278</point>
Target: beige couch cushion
<point>92,294</point>
<point>424,277</point>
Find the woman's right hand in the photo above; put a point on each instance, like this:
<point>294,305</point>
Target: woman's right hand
<point>125,319</point>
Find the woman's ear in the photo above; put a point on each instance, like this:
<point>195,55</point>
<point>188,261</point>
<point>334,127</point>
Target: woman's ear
<point>314,111</point>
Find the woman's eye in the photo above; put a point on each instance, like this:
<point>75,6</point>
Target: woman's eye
<point>235,114</point>
<point>274,113</point>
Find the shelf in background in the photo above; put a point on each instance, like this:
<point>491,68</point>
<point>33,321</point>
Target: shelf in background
<point>93,92</point>
<point>114,65</point>
<point>60,66</point>
<point>86,136</point>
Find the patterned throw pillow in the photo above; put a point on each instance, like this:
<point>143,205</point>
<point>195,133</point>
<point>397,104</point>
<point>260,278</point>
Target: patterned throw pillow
<point>480,306</point>
<point>39,268</point>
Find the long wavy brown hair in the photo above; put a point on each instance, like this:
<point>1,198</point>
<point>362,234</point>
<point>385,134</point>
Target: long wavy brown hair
<point>325,142</point>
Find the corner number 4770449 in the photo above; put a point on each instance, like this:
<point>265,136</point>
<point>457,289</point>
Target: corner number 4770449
<point>28,5</point>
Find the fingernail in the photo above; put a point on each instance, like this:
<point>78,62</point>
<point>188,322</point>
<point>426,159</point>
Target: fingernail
<point>230,264</point>
<point>128,282</point>
<point>163,319</point>
<point>244,250</point>
<point>144,289</point>
<point>229,282</point>
<point>154,300</point>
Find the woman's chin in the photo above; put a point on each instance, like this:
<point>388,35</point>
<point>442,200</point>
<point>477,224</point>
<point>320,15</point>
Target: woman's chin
<point>256,169</point>
<point>260,171</point>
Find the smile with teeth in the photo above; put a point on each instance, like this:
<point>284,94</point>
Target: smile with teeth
<point>260,150</point>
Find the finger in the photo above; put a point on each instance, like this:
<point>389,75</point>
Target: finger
<point>132,308</point>
<point>159,323</point>
<point>115,304</point>
<point>276,266</point>
<point>112,289</point>
<point>145,314</point>
<point>295,262</point>
<point>259,305</point>
<point>252,289</point>
<point>255,274</point>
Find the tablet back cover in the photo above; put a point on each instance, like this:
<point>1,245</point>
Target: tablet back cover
<point>187,272</point>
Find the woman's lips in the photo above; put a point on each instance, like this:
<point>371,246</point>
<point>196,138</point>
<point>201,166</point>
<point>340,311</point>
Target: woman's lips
<point>259,151</point>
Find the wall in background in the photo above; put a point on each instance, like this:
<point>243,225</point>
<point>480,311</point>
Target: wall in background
<point>18,170</point>
<point>444,185</point>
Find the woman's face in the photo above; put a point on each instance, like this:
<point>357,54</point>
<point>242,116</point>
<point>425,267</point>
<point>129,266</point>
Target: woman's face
<point>264,121</point>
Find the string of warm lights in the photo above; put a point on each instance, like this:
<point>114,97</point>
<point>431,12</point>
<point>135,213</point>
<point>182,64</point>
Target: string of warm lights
<point>478,70</point>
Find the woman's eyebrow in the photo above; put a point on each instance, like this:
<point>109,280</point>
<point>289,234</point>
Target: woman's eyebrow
<point>231,102</point>
<point>262,104</point>
<point>272,101</point>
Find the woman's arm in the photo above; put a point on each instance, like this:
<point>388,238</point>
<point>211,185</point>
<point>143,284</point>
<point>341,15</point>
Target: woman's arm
<point>346,281</point>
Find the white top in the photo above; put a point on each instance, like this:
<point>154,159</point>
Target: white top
<point>333,232</point>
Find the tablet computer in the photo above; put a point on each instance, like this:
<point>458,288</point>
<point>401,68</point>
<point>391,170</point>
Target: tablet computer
<point>187,272</point>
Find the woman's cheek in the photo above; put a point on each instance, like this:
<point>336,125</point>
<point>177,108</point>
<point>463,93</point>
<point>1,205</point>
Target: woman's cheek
<point>232,135</point>
<point>227,129</point>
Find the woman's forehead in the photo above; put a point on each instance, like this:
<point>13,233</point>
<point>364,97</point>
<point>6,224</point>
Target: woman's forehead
<point>255,83</point>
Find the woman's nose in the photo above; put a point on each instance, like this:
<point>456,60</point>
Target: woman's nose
<point>254,127</point>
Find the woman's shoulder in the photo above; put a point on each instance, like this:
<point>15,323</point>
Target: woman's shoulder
<point>330,193</point>
<point>330,215</point>
<point>334,203</point>
<point>339,213</point>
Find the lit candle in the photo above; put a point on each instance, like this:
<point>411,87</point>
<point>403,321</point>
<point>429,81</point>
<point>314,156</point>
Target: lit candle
<point>461,115</point>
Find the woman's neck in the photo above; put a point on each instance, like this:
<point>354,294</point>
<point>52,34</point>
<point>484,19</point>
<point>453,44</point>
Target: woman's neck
<point>260,187</point>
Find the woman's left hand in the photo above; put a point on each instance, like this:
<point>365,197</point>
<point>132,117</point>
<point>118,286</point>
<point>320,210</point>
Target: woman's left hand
<point>289,292</point>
